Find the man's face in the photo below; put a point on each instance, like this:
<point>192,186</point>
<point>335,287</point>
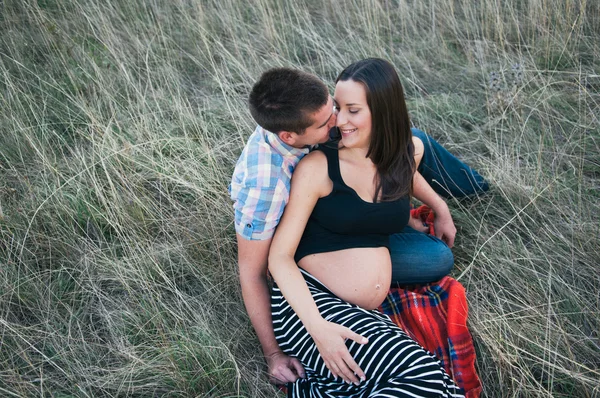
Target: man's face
<point>318,132</point>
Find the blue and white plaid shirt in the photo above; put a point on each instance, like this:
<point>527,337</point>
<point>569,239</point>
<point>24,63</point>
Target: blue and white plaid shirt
<point>260,186</point>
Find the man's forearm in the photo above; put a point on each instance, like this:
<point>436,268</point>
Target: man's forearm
<point>252,260</point>
<point>257,300</point>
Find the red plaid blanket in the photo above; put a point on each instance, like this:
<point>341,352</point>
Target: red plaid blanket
<point>435,315</point>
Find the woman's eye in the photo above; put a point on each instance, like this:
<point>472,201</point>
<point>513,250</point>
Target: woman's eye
<point>353,110</point>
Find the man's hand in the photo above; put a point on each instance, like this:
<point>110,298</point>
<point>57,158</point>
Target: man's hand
<point>283,369</point>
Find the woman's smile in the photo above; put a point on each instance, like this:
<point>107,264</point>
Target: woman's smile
<point>348,131</point>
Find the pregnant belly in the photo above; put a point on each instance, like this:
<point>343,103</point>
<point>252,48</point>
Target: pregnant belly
<point>360,276</point>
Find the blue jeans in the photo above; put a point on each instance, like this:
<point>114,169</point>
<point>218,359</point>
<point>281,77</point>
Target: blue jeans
<point>419,257</point>
<point>446,174</point>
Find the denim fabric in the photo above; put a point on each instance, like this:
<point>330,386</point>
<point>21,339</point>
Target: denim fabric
<point>446,174</point>
<point>419,257</point>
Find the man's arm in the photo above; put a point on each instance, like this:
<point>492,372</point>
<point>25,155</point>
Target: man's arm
<point>252,259</point>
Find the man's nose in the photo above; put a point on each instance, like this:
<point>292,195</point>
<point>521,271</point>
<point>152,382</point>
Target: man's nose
<point>339,119</point>
<point>333,119</point>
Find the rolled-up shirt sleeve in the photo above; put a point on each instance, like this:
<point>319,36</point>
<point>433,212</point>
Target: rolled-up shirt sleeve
<point>258,210</point>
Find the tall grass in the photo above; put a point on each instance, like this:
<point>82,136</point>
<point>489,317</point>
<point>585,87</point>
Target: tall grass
<point>121,123</point>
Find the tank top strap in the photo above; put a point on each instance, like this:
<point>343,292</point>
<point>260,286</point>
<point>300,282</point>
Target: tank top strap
<point>333,166</point>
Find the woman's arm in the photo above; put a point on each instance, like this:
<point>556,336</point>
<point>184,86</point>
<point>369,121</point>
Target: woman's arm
<point>309,183</point>
<point>443,224</point>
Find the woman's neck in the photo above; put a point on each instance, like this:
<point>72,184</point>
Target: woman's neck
<point>358,154</point>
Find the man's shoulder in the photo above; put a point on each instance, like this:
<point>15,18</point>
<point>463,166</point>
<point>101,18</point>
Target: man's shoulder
<point>258,150</point>
<point>259,165</point>
<point>259,162</point>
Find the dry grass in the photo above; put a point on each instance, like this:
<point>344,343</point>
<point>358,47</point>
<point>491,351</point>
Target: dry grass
<point>120,125</point>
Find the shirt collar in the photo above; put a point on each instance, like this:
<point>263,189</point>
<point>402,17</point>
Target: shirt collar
<point>281,147</point>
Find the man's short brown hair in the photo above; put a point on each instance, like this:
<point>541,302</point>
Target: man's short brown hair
<point>284,98</point>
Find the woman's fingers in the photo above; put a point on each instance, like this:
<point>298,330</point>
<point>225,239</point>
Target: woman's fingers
<point>350,362</point>
<point>339,368</point>
<point>333,368</point>
<point>350,369</point>
<point>347,365</point>
<point>355,336</point>
<point>331,343</point>
<point>445,229</point>
<point>355,370</point>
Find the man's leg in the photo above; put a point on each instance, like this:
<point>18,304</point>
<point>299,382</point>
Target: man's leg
<point>418,257</point>
<point>446,174</point>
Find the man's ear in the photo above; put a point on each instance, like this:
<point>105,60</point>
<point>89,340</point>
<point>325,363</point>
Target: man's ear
<point>288,137</point>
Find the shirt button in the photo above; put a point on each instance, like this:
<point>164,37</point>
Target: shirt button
<point>249,225</point>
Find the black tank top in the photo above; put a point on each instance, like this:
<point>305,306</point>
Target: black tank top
<point>342,220</point>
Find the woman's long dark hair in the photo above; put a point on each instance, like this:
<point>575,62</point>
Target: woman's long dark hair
<point>391,148</point>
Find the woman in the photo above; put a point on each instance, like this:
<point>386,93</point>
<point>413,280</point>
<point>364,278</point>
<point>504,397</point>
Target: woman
<point>329,256</point>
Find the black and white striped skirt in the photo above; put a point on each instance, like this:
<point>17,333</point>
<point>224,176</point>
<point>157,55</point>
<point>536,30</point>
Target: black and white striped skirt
<point>394,364</point>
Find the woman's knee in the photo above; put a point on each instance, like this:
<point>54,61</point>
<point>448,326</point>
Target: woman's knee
<point>419,258</point>
<point>442,260</point>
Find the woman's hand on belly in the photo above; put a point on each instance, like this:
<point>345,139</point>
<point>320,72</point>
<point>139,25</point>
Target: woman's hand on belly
<point>330,339</point>
<point>360,276</point>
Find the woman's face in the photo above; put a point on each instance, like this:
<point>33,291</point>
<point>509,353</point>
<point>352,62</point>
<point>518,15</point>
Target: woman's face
<point>354,116</point>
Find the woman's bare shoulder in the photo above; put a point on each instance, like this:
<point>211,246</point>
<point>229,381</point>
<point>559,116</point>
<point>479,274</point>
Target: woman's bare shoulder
<point>313,170</point>
<point>419,146</point>
<point>314,162</point>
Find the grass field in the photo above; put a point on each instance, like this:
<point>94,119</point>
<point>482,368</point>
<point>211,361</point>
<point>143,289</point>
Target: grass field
<point>120,125</point>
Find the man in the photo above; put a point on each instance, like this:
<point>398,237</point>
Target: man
<point>294,112</point>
